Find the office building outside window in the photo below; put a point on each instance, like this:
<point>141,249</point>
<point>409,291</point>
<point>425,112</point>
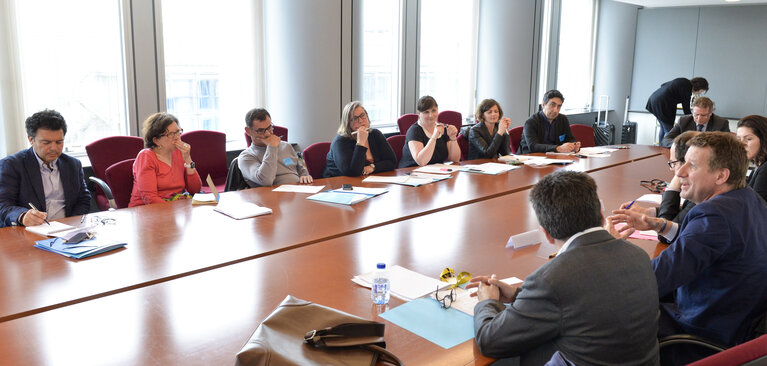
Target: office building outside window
<point>211,63</point>
<point>448,53</point>
<point>381,60</point>
<point>71,60</point>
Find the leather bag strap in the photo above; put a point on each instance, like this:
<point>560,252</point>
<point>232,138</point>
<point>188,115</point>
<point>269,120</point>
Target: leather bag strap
<point>347,330</point>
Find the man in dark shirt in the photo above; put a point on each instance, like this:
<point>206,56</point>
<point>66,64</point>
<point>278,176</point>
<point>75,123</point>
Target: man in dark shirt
<point>662,103</point>
<point>548,130</point>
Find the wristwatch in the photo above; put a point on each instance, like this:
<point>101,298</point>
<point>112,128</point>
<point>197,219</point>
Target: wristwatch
<point>373,166</point>
<point>190,165</point>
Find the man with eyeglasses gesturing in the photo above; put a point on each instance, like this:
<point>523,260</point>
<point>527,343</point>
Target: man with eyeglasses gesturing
<point>42,183</point>
<point>269,160</point>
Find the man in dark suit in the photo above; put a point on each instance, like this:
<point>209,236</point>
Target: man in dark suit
<point>662,103</point>
<point>595,302</point>
<point>548,130</point>
<point>715,263</point>
<point>702,119</point>
<point>42,176</point>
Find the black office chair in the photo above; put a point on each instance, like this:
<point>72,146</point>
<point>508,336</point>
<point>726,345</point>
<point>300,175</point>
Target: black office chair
<point>234,179</point>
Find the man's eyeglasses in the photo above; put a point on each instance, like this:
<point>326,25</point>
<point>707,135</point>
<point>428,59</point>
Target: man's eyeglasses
<point>261,131</point>
<point>655,185</point>
<point>173,134</point>
<point>672,163</point>
<point>358,118</point>
<point>445,301</point>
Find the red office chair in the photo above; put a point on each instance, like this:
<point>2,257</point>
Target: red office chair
<point>315,157</point>
<point>209,156</point>
<point>397,142</point>
<point>515,136</point>
<point>107,151</point>
<point>584,134</point>
<point>405,121</point>
<point>120,179</point>
<point>452,118</point>
<point>463,142</point>
<point>278,130</point>
<point>753,352</point>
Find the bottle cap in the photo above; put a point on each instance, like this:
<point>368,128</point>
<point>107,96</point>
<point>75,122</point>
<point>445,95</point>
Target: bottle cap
<point>381,265</point>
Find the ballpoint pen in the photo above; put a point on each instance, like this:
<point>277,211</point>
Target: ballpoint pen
<point>629,206</point>
<point>35,208</point>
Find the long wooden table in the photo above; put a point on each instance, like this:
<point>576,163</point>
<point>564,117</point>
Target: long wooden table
<point>205,318</point>
<point>172,240</point>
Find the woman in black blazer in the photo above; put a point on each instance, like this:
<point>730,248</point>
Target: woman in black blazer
<point>358,149</point>
<point>752,131</point>
<point>490,136</point>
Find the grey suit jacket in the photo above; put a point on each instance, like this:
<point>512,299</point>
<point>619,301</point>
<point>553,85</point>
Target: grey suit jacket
<point>596,303</point>
<point>686,123</point>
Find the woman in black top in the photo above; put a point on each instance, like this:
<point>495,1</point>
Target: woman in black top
<point>358,149</point>
<point>490,136</point>
<point>428,141</point>
<point>751,132</point>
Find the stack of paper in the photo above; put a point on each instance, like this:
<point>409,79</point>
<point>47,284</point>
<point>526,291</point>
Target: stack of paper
<point>650,198</point>
<point>298,188</point>
<point>490,168</point>
<point>347,196</point>
<point>414,179</point>
<point>204,199</point>
<point>404,283</point>
<point>50,229</point>
<point>79,250</point>
<point>239,210</point>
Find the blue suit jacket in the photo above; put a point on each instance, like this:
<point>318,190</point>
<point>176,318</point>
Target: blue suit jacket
<point>716,267</point>
<point>21,183</point>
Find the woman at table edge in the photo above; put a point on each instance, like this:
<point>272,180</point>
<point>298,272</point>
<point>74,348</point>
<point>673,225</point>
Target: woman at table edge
<point>428,141</point>
<point>358,149</point>
<point>490,136</point>
<point>164,168</point>
<point>751,132</point>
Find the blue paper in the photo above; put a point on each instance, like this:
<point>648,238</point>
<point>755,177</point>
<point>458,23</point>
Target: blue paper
<point>426,318</point>
<point>79,250</point>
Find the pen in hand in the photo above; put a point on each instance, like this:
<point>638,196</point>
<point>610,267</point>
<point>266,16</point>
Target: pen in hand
<point>35,208</point>
<point>629,206</point>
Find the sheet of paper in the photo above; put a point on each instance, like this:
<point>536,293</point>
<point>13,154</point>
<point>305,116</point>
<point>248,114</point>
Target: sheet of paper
<point>404,283</point>
<point>519,158</point>
<point>48,230</point>
<point>596,150</point>
<point>427,319</point>
<point>465,302</point>
<point>298,188</point>
<point>349,198</point>
<point>490,168</point>
<point>239,210</point>
<point>439,169</point>
<point>363,190</point>
<point>547,161</point>
<point>204,199</point>
<point>650,198</point>
<point>637,234</point>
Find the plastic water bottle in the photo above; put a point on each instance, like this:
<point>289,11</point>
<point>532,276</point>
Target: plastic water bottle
<point>379,291</point>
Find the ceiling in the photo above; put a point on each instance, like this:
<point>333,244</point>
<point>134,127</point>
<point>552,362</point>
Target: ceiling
<point>672,3</point>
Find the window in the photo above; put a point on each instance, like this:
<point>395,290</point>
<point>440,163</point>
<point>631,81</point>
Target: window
<point>210,63</point>
<point>448,53</point>
<point>574,69</point>
<point>71,60</point>
<point>381,60</point>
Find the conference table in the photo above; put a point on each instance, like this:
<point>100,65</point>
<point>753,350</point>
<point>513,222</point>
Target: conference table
<point>193,284</point>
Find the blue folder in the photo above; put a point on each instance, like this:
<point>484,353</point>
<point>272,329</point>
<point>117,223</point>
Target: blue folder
<point>426,318</point>
<point>79,250</point>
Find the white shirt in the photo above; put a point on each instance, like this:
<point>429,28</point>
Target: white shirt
<point>54,191</point>
<point>570,240</point>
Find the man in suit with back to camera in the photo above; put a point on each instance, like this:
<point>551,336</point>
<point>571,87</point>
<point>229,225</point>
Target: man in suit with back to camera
<point>595,302</point>
<point>42,176</point>
<point>662,102</point>
<point>702,119</point>
<point>715,264</point>
<point>548,130</point>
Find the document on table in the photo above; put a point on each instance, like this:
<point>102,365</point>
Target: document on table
<point>637,234</point>
<point>404,283</point>
<point>651,198</point>
<point>490,168</point>
<point>298,188</point>
<point>519,158</point>
<point>347,196</point>
<point>79,250</point>
<point>204,199</point>
<point>414,179</point>
<point>427,319</point>
<point>239,210</point>
<point>439,169</point>
<point>547,161</point>
<point>465,302</point>
<point>49,230</point>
